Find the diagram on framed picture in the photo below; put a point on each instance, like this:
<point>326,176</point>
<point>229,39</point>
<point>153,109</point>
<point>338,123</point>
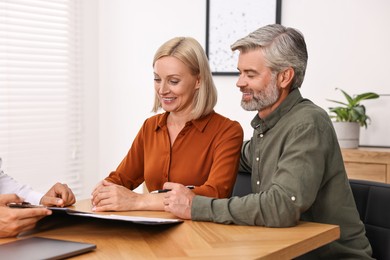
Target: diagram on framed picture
<point>230,20</point>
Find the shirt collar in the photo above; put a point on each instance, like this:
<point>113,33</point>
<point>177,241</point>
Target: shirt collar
<point>199,123</point>
<point>264,124</point>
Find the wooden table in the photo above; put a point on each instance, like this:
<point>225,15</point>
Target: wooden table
<point>190,239</point>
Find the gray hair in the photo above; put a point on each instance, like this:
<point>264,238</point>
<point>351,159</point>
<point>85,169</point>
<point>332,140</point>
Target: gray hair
<point>282,47</point>
<point>191,53</point>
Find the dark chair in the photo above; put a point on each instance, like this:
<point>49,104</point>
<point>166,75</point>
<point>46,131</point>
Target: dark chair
<point>242,186</point>
<point>373,203</point>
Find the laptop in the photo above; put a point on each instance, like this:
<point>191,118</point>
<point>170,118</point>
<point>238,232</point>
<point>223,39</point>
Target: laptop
<point>43,248</point>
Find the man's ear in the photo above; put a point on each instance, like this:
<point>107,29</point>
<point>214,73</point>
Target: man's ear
<point>285,77</point>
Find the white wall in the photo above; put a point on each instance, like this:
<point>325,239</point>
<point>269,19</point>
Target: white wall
<point>130,32</point>
<point>347,42</point>
<point>348,48</point>
<point>90,84</point>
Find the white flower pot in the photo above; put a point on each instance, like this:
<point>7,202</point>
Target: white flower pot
<point>347,134</point>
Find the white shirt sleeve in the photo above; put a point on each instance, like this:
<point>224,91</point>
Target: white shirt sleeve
<point>10,186</point>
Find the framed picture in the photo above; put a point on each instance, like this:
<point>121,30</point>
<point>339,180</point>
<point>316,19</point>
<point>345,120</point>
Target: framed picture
<point>230,20</point>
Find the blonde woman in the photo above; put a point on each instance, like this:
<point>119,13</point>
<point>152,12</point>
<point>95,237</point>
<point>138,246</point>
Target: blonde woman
<point>189,143</point>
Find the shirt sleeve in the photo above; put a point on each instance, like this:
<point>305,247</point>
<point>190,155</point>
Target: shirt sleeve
<point>130,172</point>
<point>292,190</point>
<point>10,186</point>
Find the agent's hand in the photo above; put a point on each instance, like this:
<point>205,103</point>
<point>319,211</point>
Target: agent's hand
<point>9,198</point>
<point>108,196</point>
<point>178,201</point>
<point>59,195</point>
<point>14,221</point>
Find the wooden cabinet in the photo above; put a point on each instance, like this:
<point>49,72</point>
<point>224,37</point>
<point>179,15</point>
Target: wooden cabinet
<point>367,163</point>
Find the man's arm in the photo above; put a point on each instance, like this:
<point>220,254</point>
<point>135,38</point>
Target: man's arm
<point>293,188</point>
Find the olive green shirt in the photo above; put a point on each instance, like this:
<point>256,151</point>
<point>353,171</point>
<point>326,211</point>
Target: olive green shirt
<point>297,174</point>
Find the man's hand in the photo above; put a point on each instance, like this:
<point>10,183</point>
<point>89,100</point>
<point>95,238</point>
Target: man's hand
<point>178,201</point>
<point>9,198</point>
<point>59,195</point>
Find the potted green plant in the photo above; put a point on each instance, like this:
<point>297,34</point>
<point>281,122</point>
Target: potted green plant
<point>349,116</point>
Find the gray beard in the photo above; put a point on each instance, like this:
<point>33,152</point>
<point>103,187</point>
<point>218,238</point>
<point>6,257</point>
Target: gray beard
<point>263,99</point>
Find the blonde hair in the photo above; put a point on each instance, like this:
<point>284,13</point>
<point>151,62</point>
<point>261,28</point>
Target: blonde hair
<point>190,52</point>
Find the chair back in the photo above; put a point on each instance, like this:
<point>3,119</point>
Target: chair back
<point>242,186</point>
<point>373,203</point>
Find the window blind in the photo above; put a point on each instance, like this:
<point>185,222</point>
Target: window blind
<point>40,92</point>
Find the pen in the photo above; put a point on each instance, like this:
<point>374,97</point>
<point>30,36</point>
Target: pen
<point>23,205</point>
<point>166,190</point>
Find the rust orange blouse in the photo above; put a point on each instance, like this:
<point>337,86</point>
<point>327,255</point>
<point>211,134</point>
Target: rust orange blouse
<point>206,154</point>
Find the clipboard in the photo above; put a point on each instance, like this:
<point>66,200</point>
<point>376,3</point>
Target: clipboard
<point>133,219</point>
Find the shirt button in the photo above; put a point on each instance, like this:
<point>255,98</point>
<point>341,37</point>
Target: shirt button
<point>261,135</point>
<point>293,198</point>
<point>257,158</point>
<point>258,182</point>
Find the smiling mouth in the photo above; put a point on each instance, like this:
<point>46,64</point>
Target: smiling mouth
<point>246,95</point>
<point>167,99</point>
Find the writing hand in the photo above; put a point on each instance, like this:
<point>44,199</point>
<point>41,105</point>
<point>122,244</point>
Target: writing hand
<point>178,201</point>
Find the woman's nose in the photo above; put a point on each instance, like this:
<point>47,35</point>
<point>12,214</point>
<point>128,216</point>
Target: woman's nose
<point>164,88</point>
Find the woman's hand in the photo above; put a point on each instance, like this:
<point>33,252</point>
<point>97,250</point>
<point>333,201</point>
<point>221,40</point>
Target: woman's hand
<point>108,196</point>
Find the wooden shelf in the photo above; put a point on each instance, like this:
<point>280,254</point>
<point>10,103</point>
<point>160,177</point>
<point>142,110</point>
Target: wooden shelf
<point>368,163</point>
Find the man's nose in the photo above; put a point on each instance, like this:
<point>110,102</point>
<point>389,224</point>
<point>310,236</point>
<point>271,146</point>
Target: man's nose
<point>241,82</point>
